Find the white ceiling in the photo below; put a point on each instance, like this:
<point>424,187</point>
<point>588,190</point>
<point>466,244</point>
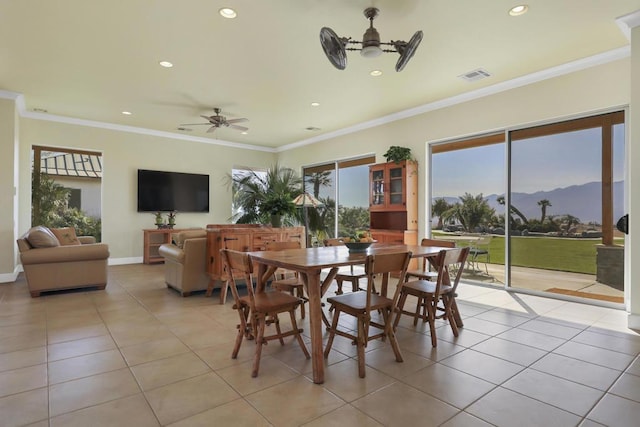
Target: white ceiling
<point>94,59</point>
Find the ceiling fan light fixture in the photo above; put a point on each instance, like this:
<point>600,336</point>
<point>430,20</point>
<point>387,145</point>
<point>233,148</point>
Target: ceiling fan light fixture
<point>227,12</point>
<point>518,10</point>
<point>370,51</point>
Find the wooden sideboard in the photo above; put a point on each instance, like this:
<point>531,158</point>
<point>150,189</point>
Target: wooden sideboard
<point>153,238</point>
<point>245,238</point>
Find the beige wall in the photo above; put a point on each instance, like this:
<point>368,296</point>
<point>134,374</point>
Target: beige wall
<point>123,153</point>
<point>8,135</point>
<point>632,273</point>
<point>598,88</point>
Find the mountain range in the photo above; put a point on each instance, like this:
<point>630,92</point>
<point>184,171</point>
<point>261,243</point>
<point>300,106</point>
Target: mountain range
<point>582,201</point>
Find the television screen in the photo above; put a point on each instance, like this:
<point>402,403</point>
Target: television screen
<point>160,191</point>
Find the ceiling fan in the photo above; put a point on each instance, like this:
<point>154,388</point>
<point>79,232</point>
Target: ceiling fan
<point>335,47</point>
<point>217,120</point>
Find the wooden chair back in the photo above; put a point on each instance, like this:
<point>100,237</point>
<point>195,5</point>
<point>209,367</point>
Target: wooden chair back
<point>449,265</point>
<point>384,265</point>
<point>238,264</point>
<point>333,242</point>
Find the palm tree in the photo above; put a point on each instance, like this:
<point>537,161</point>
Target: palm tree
<point>544,204</point>
<point>317,180</point>
<point>472,212</point>
<point>259,198</point>
<point>513,209</point>
<point>439,206</point>
<point>570,220</point>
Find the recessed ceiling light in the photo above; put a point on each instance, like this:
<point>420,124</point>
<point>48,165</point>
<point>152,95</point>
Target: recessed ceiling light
<point>166,64</point>
<point>126,113</point>
<point>244,132</point>
<point>315,104</point>
<point>376,73</point>
<point>521,9</point>
<point>227,12</point>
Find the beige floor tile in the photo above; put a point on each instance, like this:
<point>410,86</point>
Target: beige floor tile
<point>31,329</point>
<point>272,372</point>
<point>532,339</point>
<point>616,411</point>
<point>185,398</point>
<point>161,372</point>
<point>237,413</point>
<point>634,368</point>
<point>346,415</point>
<point>219,356</point>
<point>384,360</point>
<point>294,402</point>
<point>466,337</point>
<point>22,342</point>
<point>627,386</point>
<point>595,355</point>
<point>129,411</point>
<point>23,358</point>
<point>153,350</point>
<point>484,326</point>
<point>510,351</point>
<point>20,319</point>
<point>125,335</point>
<point>24,408</point>
<point>502,407</point>
<point>80,347</point>
<point>568,395</point>
<point>420,344</point>
<point>343,380</point>
<point>463,419</point>
<point>84,392</point>
<point>483,366</point>
<point>402,405</point>
<point>622,344</point>
<point>75,332</point>
<point>292,356</point>
<point>578,371</point>
<point>551,329</point>
<point>23,379</point>
<point>85,366</point>
<point>449,385</point>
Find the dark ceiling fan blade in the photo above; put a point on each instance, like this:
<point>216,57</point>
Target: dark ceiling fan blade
<point>194,124</point>
<point>212,129</point>
<point>236,127</point>
<point>207,117</point>
<point>406,50</point>
<point>240,120</point>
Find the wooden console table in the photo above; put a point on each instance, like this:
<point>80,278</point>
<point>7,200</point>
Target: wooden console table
<point>153,238</point>
<point>245,238</point>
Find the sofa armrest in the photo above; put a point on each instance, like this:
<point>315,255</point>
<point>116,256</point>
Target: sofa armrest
<point>86,240</point>
<point>65,254</point>
<point>172,252</point>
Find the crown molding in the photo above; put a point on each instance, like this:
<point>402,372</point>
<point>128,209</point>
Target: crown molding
<point>569,67</point>
<point>628,22</point>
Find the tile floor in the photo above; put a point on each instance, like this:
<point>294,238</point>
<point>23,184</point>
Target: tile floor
<point>138,354</point>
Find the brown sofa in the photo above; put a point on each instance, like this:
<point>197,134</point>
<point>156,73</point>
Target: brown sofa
<point>49,265</point>
<point>185,267</point>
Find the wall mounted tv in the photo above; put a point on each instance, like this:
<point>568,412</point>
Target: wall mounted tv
<point>160,191</point>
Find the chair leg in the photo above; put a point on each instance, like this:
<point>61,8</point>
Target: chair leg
<point>298,332</point>
<point>242,331</point>
<point>400,308</point>
<point>392,336</point>
<point>360,343</point>
<point>355,284</point>
<point>339,290</point>
<point>276,320</point>
<point>419,305</point>
<point>301,296</point>
<point>332,333</point>
<point>431,310</point>
<point>259,343</point>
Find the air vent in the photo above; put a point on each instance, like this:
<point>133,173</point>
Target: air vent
<point>474,75</point>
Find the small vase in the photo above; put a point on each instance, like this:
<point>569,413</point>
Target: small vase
<point>276,221</point>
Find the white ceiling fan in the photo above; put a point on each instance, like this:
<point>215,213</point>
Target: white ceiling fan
<point>217,120</point>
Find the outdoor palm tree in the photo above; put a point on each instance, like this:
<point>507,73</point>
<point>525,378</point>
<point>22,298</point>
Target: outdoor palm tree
<point>439,207</point>
<point>317,180</point>
<point>259,199</point>
<point>471,212</point>
<point>544,204</point>
<point>513,209</point>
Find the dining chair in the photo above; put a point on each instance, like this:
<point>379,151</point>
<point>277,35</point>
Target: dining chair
<point>350,276</point>
<point>449,264</point>
<point>426,272</point>
<point>480,248</point>
<point>258,309</point>
<point>285,280</point>
<point>369,308</point>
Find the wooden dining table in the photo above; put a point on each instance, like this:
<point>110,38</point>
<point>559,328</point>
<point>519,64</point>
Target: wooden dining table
<point>309,263</point>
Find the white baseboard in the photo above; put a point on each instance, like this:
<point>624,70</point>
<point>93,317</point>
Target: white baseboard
<point>124,261</point>
<point>10,277</point>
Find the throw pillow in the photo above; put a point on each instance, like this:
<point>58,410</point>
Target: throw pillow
<point>66,236</point>
<point>42,237</point>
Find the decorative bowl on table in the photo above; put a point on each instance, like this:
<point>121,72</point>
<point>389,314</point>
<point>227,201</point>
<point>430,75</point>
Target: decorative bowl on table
<point>358,246</point>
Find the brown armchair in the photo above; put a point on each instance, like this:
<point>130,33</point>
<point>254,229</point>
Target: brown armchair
<point>185,267</point>
<point>50,266</point>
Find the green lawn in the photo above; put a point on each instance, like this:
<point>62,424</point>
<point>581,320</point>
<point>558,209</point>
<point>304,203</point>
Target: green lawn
<point>562,254</point>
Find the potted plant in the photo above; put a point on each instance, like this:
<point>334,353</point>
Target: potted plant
<point>397,154</point>
<point>264,199</point>
<point>172,219</point>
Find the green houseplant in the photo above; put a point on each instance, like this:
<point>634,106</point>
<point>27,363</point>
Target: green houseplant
<point>397,154</point>
<point>266,199</point>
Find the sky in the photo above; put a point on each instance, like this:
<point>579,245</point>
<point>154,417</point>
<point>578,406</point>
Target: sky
<point>538,164</point>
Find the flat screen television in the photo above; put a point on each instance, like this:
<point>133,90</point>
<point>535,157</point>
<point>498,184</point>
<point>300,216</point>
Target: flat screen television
<point>161,191</point>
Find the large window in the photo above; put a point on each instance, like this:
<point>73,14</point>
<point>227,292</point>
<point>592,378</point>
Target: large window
<point>543,204</point>
<point>343,185</point>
